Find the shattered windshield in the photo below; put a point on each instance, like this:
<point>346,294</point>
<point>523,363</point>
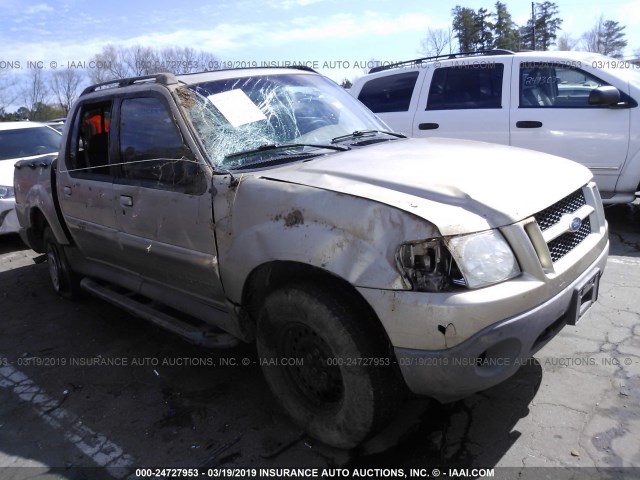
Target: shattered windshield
<point>237,118</point>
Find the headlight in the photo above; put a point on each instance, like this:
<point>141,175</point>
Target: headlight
<point>6,192</point>
<point>474,261</point>
<point>484,258</point>
<point>427,266</point>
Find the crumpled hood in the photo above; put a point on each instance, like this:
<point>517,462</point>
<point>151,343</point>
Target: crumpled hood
<point>460,186</point>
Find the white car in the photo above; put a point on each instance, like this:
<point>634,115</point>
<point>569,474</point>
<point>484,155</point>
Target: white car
<point>577,105</point>
<point>18,141</point>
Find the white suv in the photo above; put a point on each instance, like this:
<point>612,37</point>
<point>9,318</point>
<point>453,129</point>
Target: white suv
<point>577,105</point>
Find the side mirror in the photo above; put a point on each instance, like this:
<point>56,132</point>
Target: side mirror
<point>604,96</point>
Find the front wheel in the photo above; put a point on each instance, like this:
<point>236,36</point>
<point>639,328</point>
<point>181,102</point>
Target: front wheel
<point>64,281</point>
<point>328,363</point>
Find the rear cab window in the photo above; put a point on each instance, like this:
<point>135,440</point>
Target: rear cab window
<point>88,152</point>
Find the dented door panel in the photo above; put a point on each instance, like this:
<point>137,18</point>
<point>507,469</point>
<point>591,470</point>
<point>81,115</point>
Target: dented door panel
<point>167,237</point>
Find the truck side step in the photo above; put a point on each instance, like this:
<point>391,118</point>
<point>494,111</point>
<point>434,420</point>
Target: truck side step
<point>204,335</point>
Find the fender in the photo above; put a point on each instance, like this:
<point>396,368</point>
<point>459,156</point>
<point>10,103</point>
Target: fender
<point>34,180</point>
<point>263,220</point>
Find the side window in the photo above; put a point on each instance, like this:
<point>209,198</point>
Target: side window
<point>89,145</point>
<point>466,87</point>
<point>150,144</point>
<point>559,86</point>
<point>389,94</point>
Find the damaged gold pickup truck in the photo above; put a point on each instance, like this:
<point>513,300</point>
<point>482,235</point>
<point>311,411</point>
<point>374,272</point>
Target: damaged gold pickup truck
<point>269,205</point>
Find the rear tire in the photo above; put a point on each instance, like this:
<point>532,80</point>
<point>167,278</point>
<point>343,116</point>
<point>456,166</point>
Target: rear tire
<point>348,386</point>
<point>64,281</point>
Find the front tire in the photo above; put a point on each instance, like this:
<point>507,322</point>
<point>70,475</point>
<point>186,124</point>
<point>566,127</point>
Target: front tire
<point>344,384</point>
<point>64,281</point>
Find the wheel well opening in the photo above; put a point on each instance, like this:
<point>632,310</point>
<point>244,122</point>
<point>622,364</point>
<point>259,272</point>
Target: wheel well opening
<point>273,275</point>
<point>36,232</point>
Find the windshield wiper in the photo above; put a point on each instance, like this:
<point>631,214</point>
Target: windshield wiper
<point>276,146</point>
<point>362,133</point>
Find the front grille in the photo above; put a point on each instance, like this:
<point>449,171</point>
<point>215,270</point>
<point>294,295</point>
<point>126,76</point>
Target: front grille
<point>566,242</point>
<point>550,216</point>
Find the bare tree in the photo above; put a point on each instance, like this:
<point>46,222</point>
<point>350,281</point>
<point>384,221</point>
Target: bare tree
<point>591,39</point>
<point>35,92</point>
<point>566,42</point>
<point>65,85</point>
<point>110,64</point>
<point>437,41</point>
<point>7,90</point>
<point>121,62</point>
<point>208,61</point>
<point>140,61</point>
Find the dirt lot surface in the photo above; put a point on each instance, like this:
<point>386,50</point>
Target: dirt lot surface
<point>87,391</point>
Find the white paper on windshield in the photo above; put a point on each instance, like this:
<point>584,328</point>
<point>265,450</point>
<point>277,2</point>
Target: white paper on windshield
<point>236,107</point>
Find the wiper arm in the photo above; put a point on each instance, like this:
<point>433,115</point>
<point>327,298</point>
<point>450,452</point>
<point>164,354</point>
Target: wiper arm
<point>362,133</point>
<point>276,146</point>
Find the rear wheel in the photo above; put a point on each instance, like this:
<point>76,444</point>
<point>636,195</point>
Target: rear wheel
<point>64,281</point>
<point>328,363</point>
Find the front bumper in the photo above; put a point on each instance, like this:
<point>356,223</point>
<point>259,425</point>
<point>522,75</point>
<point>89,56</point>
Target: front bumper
<point>8,219</point>
<point>496,352</point>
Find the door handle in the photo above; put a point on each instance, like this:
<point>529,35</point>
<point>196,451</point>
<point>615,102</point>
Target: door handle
<point>126,201</point>
<point>428,126</point>
<point>528,124</point>
<point>67,191</point>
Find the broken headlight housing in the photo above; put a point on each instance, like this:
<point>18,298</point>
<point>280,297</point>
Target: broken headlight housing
<point>475,261</point>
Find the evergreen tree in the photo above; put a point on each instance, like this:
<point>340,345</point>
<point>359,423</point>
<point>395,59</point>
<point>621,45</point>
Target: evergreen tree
<point>613,40</point>
<point>547,24</point>
<point>484,29</point>
<point>464,26</point>
<point>606,37</point>
<point>505,33</point>
<point>473,30</point>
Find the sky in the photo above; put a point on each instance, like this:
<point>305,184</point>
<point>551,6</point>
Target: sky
<point>336,37</point>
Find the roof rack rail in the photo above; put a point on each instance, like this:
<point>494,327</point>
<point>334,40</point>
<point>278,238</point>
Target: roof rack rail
<point>161,78</point>
<point>449,56</point>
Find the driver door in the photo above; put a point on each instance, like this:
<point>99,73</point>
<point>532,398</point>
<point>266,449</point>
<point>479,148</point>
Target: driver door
<point>162,205</point>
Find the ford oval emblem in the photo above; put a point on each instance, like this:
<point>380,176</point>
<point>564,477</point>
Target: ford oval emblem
<point>576,223</point>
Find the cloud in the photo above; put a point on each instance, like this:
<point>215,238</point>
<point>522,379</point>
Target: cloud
<point>288,4</point>
<point>229,38</point>
<point>342,26</point>
<point>39,8</point>
<point>221,37</point>
<point>233,40</point>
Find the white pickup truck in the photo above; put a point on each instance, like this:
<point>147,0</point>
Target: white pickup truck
<point>268,205</point>
<point>576,105</point>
